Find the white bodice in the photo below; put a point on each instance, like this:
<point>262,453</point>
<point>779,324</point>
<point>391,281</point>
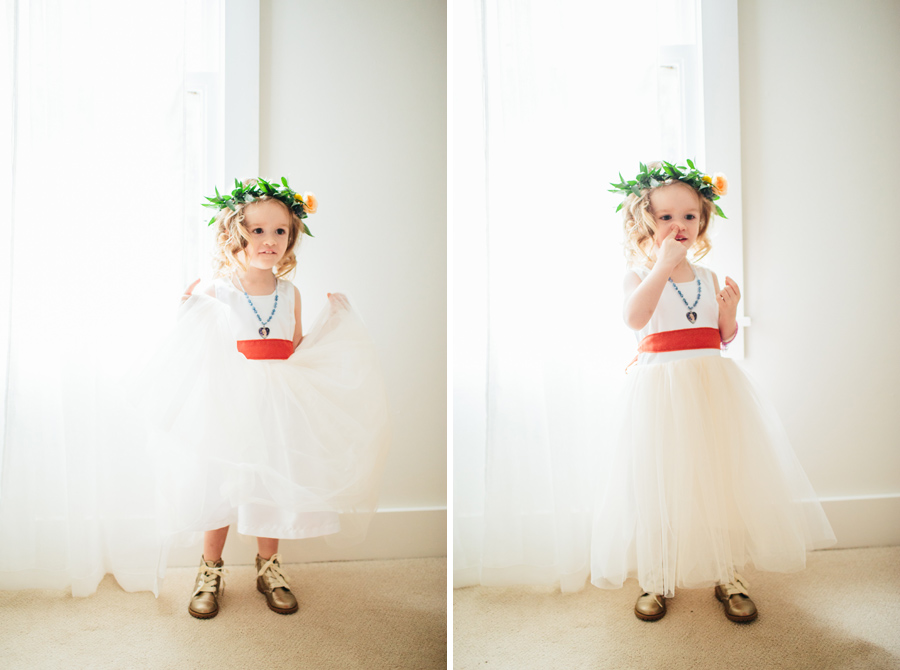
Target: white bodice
<point>671,314</point>
<point>243,322</point>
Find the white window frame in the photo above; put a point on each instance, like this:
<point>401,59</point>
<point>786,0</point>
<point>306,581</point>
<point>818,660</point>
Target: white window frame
<point>240,81</point>
<point>229,142</point>
<point>711,129</point>
<point>721,121</point>
<point>685,58</point>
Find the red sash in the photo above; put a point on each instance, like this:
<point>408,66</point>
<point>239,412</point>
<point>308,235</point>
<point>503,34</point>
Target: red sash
<point>681,340</point>
<point>266,349</point>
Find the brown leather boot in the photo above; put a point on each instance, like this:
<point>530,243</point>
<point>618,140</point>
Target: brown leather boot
<point>272,583</point>
<point>736,598</point>
<point>650,607</point>
<point>209,586</point>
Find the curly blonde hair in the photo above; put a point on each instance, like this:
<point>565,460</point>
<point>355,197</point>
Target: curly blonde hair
<point>640,227</point>
<point>232,237</point>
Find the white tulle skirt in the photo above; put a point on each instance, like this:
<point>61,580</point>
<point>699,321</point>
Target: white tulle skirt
<point>702,481</point>
<point>278,448</point>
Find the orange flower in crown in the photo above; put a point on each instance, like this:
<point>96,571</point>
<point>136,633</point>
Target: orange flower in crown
<point>720,184</point>
<point>308,201</point>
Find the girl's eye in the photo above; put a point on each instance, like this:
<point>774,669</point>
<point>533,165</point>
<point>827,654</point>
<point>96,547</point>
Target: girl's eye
<point>257,230</point>
<point>666,217</point>
<point>689,217</point>
<point>281,231</point>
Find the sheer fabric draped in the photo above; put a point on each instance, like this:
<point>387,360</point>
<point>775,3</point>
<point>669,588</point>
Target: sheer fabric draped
<point>93,232</point>
<point>567,94</point>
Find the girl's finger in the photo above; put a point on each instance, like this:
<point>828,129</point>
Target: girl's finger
<point>189,291</point>
<point>658,241</point>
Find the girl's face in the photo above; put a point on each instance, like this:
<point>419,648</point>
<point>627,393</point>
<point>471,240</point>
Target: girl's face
<point>676,206</point>
<point>268,225</point>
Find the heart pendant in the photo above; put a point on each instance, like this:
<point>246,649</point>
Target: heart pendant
<point>692,316</point>
<point>264,332</point>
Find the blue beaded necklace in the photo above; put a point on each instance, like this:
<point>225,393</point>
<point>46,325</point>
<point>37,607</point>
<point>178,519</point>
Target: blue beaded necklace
<point>691,314</point>
<point>263,331</point>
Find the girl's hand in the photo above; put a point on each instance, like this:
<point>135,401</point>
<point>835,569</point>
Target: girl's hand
<point>189,291</point>
<point>671,252</point>
<point>728,299</point>
<point>338,300</point>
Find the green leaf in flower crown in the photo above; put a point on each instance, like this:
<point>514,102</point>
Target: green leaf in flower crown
<point>621,205</point>
<point>720,213</point>
<point>306,229</point>
<point>636,190</point>
<point>284,182</point>
<point>691,164</point>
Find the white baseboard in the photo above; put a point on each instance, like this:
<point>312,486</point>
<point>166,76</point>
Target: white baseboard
<point>393,533</point>
<point>864,521</point>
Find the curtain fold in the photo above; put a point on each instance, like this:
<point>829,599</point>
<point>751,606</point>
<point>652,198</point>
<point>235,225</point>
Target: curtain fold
<point>94,232</point>
<point>568,92</point>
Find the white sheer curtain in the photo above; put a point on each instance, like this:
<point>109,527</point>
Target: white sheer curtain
<point>551,99</point>
<point>92,223</point>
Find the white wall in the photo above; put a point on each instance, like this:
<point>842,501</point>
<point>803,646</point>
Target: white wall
<point>820,94</point>
<point>353,107</point>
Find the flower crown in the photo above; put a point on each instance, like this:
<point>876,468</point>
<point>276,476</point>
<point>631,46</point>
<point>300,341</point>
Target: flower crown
<point>254,189</point>
<point>709,187</point>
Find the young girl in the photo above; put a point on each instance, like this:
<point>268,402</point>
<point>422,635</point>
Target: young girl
<point>257,424</point>
<point>703,480</point>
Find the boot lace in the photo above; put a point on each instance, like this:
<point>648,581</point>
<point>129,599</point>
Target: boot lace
<point>209,576</point>
<point>739,585</point>
<point>271,571</point>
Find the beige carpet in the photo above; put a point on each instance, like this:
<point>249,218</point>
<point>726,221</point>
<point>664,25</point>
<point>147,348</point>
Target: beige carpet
<point>361,614</point>
<point>843,611</point>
